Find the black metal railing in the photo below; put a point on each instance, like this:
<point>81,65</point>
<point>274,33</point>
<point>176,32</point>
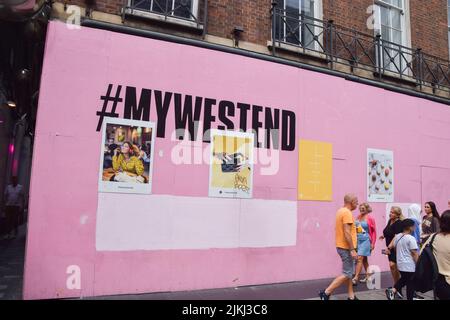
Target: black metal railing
<point>341,45</point>
<point>194,11</point>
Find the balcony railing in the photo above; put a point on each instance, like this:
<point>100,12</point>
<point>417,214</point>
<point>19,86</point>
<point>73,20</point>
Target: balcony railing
<point>185,12</point>
<point>340,45</point>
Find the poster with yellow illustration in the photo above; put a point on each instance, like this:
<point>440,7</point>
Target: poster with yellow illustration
<point>231,164</point>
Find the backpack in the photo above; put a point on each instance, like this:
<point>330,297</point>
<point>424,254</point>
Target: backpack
<point>427,271</point>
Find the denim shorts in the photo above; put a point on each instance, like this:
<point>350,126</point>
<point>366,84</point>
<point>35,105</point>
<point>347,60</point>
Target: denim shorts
<point>348,263</point>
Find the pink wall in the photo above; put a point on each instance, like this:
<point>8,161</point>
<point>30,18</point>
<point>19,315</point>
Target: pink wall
<point>78,66</point>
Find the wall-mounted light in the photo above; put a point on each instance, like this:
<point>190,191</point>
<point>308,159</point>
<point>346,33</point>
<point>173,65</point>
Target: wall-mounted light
<point>11,104</point>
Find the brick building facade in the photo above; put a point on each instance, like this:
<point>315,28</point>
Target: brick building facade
<point>428,23</point>
<point>314,67</point>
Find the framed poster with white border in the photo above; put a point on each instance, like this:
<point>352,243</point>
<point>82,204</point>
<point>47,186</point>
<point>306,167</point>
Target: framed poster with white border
<point>126,158</point>
<point>380,175</point>
<point>231,164</point>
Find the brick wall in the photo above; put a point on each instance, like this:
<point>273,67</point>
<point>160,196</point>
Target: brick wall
<point>253,16</point>
<point>348,13</point>
<point>429,28</point>
<point>428,19</point>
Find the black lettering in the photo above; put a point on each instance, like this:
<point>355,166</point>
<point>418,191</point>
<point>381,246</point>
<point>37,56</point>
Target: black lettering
<point>243,115</point>
<point>162,107</point>
<point>207,119</point>
<point>186,116</point>
<point>134,111</point>
<point>288,130</point>
<point>256,124</point>
<point>223,106</point>
<point>272,126</point>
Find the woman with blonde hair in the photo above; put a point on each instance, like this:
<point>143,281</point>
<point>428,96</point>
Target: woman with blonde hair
<point>393,227</point>
<point>366,235</point>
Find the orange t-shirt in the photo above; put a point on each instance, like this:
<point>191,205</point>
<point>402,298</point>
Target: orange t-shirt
<point>344,216</point>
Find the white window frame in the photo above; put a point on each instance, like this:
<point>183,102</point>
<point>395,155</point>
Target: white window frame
<point>404,25</point>
<point>318,14</point>
<point>160,16</point>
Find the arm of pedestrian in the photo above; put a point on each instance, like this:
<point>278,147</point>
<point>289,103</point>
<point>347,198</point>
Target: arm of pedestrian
<point>415,255</point>
<point>391,245</point>
<point>348,234</point>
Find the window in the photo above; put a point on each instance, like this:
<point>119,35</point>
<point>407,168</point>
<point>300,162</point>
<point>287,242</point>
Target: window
<point>391,25</point>
<point>185,9</point>
<point>294,23</point>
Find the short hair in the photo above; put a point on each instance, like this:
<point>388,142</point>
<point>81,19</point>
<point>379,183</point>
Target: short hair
<point>445,221</point>
<point>349,197</point>
<point>367,206</point>
<point>407,223</point>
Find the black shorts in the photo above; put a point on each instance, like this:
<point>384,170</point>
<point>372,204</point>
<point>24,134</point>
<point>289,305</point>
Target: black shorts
<point>392,257</point>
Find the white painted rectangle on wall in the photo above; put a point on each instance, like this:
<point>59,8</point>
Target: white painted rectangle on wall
<point>160,222</point>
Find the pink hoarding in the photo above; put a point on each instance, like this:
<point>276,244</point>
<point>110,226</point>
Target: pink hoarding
<point>174,236</point>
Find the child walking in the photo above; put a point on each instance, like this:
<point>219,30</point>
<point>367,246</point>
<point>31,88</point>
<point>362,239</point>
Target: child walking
<point>407,254</point>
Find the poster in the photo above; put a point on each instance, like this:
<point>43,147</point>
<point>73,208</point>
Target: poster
<point>380,175</point>
<point>315,171</point>
<point>231,164</point>
<point>127,150</point>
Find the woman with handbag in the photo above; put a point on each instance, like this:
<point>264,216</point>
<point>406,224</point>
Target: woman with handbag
<point>441,251</point>
<point>366,236</point>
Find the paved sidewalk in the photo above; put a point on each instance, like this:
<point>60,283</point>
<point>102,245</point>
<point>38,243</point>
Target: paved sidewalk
<point>12,254</point>
<point>374,295</point>
<point>11,274</point>
<point>300,290</point>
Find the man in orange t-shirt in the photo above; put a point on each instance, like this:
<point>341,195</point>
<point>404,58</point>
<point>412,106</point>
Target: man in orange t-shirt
<point>345,246</point>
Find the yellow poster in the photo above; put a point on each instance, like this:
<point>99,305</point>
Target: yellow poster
<point>231,168</point>
<point>315,170</point>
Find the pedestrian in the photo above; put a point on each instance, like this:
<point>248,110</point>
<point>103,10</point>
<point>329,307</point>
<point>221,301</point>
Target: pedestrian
<point>407,254</point>
<point>366,236</point>
<point>346,248</point>
<point>14,199</point>
<point>414,211</point>
<point>430,222</point>
<point>441,251</point>
<point>393,227</point>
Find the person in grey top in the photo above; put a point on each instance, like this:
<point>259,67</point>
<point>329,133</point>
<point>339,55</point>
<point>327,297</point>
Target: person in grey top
<point>407,255</point>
